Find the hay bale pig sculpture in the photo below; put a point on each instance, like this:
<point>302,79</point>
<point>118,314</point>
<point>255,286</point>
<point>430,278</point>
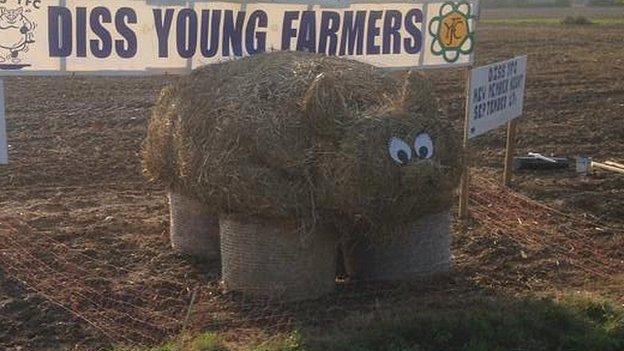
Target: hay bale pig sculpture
<point>295,154</point>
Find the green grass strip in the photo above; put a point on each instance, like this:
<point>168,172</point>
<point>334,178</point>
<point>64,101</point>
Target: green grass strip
<point>481,324</point>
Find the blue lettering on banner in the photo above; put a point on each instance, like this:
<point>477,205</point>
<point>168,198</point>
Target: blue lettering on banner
<point>98,31</point>
<point>328,36</point>
<point>209,44</point>
<point>306,39</point>
<point>353,33</point>
<point>257,19</point>
<point>288,32</point>
<point>59,23</point>
<point>413,45</point>
<point>100,15</point>
<point>61,32</point>
<point>373,32</point>
<point>391,35</point>
<point>81,31</point>
<point>163,28</point>
<point>186,33</point>
<point>233,33</point>
<point>215,31</point>
<point>126,48</point>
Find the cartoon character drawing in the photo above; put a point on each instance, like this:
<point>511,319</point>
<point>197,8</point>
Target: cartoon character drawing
<point>16,34</point>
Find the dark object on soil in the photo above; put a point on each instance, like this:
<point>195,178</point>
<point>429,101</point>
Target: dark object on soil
<point>419,250</point>
<point>576,21</point>
<point>536,163</point>
<point>267,258</point>
<point>194,231</point>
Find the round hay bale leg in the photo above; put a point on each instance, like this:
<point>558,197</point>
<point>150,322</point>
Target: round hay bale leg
<point>271,259</point>
<point>193,231</point>
<point>422,249</point>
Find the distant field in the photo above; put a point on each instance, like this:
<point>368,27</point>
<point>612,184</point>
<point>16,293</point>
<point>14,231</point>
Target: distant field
<point>552,13</point>
<point>556,21</point>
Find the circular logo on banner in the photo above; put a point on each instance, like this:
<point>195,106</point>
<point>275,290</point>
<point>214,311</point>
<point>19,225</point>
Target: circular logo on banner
<point>452,31</point>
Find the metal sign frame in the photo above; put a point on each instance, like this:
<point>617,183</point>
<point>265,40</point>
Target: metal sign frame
<point>4,157</point>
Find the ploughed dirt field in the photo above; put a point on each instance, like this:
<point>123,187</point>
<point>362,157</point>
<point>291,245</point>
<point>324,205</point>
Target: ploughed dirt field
<point>84,257</point>
<point>552,12</point>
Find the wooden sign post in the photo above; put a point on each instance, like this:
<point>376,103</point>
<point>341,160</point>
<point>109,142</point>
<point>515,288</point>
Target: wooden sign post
<point>465,177</point>
<point>510,151</point>
<point>495,97</point>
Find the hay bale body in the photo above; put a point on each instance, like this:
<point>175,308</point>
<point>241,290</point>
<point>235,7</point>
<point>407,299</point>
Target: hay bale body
<point>193,230</point>
<point>246,134</point>
<point>267,258</point>
<point>421,249</point>
<point>290,135</point>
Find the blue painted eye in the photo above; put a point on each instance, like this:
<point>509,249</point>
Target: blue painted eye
<point>400,151</point>
<point>424,146</point>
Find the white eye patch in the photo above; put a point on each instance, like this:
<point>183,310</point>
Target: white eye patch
<point>400,151</point>
<point>423,145</point>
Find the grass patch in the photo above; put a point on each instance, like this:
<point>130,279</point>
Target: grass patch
<point>202,342</point>
<point>576,21</point>
<point>573,324</point>
<point>285,343</point>
<point>549,21</point>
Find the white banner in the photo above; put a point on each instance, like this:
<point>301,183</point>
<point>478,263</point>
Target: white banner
<point>4,157</point>
<point>496,95</point>
<point>46,37</point>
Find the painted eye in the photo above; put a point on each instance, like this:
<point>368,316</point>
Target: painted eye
<point>424,146</point>
<point>400,151</point>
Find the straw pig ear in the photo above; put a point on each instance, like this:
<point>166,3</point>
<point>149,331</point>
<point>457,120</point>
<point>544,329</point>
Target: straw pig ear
<point>324,103</point>
<point>416,95</point>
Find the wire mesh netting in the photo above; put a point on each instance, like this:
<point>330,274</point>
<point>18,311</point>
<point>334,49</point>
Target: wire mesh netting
<point>128,305</point>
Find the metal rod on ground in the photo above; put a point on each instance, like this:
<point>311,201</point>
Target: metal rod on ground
<point>510,150</point>
<point>614,164</point>
<point>186,320</point>
<point>465,178</point>
<point>607,167</point>
<point>542,157</point>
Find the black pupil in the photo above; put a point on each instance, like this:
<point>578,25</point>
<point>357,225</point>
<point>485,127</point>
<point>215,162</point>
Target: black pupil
<point>423,151</point>
<point>402,155</point>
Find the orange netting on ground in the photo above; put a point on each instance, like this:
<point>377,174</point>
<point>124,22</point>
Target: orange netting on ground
<point>539,227</point>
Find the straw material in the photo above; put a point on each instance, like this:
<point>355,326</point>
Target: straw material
<point>303,137</point>
<point>193,231</point>
<point>160,162</point>
<point>419,250</point>
<point>270,259</point>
